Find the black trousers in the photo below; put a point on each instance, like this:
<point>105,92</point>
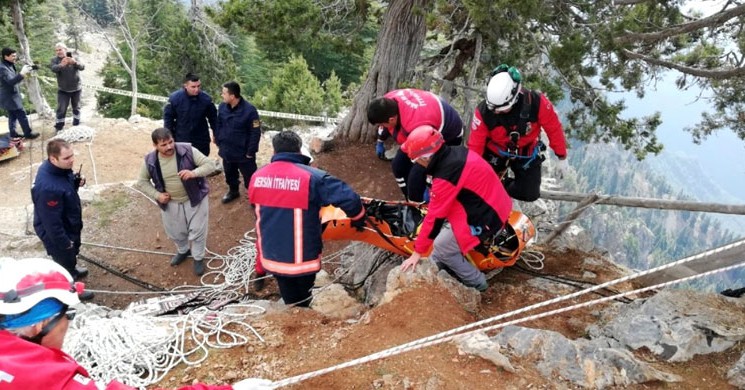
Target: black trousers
<point>20,116</point>
<point>411,177</point>
<point>231,169</point>
<point>296,289</point>
<point>64,99</point>
<point>204,148</point>
<point>526,185</point>
<point>67,259</point>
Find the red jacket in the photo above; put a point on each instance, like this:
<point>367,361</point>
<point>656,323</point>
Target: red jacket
<point>416,108</point>
<point>492,131</point>
<point>466,192</point>
<point>28,366</point>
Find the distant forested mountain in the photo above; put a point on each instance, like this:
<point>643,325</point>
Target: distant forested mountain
<point>645,238</point>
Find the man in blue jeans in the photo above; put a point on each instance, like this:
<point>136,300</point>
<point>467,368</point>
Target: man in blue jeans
<point>10,93</point>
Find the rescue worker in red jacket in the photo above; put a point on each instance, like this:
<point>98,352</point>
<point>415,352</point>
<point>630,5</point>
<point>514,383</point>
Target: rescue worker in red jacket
<point>399,112</point>
<point>506,129</point>
<point>468,205</point>
<point>287,196</point>
<point>36,296</point>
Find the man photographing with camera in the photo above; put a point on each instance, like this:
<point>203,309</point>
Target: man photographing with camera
<point>67,69</point>
<point>10,93</point>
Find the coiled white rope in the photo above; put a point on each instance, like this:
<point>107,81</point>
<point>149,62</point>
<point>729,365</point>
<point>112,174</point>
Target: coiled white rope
<point>140,350</point>
<point>76,134</point>
<point>458,332</point>
<point>533,259</point>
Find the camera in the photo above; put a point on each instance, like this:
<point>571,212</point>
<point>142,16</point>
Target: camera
<point>34,67</point>
<point>69,54</point>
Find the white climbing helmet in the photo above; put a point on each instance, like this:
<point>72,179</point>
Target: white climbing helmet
<point>26,282</point>
<point>502,92</point>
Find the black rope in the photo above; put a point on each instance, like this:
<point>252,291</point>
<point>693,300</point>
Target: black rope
<point>380,260</point>
<point>143,284</point>
<point>578,284</point>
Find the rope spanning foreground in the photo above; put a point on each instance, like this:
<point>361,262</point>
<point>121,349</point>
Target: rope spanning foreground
<point>461,331</point>
<point>140,350</point>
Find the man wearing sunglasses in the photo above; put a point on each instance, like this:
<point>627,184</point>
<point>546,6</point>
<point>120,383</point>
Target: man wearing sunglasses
<point>506,129</point>
<point>36,296</point>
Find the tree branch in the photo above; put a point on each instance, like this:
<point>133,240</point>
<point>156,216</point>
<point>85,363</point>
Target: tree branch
<point>715,74</point>
<point>716,19</point>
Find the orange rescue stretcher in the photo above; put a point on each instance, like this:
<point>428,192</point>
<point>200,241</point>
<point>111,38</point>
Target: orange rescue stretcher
<point>394,226</point>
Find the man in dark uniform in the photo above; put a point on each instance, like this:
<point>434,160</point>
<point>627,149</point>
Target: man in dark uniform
<point>58,217</point>
<point>237,134</point>
<point>190,113</point>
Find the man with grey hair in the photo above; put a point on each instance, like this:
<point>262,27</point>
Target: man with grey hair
<point>67,69</point>
<point>174,176</point>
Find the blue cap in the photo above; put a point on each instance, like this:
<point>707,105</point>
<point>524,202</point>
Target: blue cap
<point>41,311</point>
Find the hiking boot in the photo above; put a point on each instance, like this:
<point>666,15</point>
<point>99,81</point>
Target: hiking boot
<point>482,287</point>
<point>80,273</point>
<point>736,293</point>
<point>179,258</point>
<point>230,196</point>
<point>199,267</point>
<point>259,283</point>
<point>86,295</point>
<point>31,135</point>
<point>493,273</point>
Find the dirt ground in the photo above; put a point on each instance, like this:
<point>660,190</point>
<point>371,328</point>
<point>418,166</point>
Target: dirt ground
<point>302,340</point>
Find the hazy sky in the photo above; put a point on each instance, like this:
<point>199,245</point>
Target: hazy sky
<point>722,154</point>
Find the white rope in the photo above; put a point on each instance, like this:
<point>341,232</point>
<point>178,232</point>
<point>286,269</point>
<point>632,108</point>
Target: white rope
<point>451,334</point>
<point>533,259</point>
<point>153,201</point>
<point>76,134</point>
<point>93,162</point>
<point>140,350</point>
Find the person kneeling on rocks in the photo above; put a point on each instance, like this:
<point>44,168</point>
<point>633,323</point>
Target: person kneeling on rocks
<point>174,176</point>
<point>467,202</point>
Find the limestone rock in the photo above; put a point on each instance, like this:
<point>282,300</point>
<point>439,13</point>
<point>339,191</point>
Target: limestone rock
<point>736,375</point>
<point>676,324</point>
<point>585,363</point>
<point>481,345</point>
<point>333,301</point>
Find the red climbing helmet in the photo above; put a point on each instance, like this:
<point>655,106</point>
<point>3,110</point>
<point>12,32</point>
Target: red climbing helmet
<point>26,282</point>
<point>423,141</point>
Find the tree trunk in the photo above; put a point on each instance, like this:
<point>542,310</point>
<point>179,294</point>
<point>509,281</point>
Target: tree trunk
<point>471,83</point>
<point>24,51</point>
<point>133,77</point>
<point>396,55</point>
